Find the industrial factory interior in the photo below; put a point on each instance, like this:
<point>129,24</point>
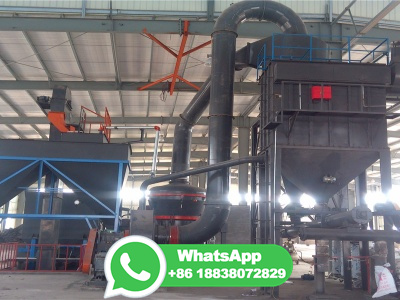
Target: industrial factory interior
<point>202,122</point>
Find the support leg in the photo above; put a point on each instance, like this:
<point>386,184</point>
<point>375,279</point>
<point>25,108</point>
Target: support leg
<point>386,186</point>
<point>321,265</point>
<point>244,139</point>
<point>253,184</point>
<point>348,285</point>
<point>275,218</point>
<point>361,191</point>
<point>49,229</point>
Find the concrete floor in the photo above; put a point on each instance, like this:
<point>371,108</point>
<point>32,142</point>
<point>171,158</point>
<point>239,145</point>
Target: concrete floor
<point>45,286</point>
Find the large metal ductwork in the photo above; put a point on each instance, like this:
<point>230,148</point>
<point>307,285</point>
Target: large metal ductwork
<point>220,87</point>
<point>284,17</point>
<point>183,129</point>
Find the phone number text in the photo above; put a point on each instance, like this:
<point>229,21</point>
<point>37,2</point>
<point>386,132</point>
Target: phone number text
<point>226,273</point>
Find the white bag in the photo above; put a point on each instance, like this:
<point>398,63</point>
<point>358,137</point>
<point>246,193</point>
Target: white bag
<point>384,281</point>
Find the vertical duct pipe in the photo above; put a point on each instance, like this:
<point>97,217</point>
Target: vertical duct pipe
<point>224,36</point>
<point>284,17</point>
<point>183,129</point>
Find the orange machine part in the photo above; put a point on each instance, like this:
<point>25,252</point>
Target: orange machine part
<point>58,120</point>
<point>87,258</point>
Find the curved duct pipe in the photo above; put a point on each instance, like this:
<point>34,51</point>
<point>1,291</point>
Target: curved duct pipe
<point>183,129</point>
<point>224,36</point>
<point>284,17</point>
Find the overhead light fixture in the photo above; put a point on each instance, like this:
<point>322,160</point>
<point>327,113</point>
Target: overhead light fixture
<point>328,179</point>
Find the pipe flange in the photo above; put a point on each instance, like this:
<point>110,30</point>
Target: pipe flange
<point>191,124</point>
<point>221,115</point>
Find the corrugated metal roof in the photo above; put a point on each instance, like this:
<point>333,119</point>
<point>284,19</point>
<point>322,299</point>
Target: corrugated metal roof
<point>138,59</point>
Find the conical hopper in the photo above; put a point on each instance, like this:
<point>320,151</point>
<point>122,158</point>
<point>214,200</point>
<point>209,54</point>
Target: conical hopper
<point>15,176</point>
<point>87,168</point>
<point>98,179</point>
<point>305,169</point>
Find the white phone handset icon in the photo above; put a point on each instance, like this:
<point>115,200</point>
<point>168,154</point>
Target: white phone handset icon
<point>125,260</point>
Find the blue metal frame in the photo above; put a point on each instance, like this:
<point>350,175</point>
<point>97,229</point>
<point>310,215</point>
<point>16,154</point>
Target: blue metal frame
<point>40,175</point>
<point>262,58</point>
<point>83,160</point>
<point>88,223</point>
<point>56,216</point>
<point>55,171</point>
<point>19,171</point>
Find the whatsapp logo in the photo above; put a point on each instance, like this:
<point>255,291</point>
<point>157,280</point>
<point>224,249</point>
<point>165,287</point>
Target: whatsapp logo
<point>135,267</point>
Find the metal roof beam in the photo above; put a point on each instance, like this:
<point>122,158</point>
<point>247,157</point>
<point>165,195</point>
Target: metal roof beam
<point>144,173</point>
<point>167,140</point>
<point>253,103</point>
<point>250,29</point>
<point>116,70</point>
<point>144,165</point>
<point>134,173</point>
<point>16,76</point>
<point>383,13</point>
<point>347,8</point>
<point>245,73</point>
<point>238,121</point>
<point>17,131</point>
<point>195,154</point>
<point>240,88</point>
<point>78,62</point>
<point>39,58</point>
<point>210,10</point>
<point>393,134</point>
<point>373,22</point>
<point>21,115</point>
<point>141,166</point>
<point>139,178</point>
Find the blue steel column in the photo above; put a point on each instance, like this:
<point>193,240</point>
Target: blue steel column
<point>118,201</point>
<point>39,184</point>
<point>88,223</point>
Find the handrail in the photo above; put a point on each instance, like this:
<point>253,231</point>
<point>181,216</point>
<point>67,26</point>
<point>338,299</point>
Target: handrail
<point>347,54</point>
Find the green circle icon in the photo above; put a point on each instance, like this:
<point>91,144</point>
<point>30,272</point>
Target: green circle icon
<point>135,267</point>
